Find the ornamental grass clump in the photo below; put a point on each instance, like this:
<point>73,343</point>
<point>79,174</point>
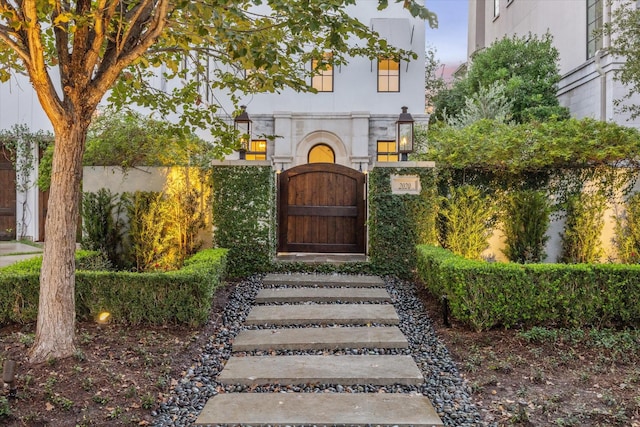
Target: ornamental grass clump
<point>627,231</point>
<point>467,218</point>
<point>524,222</point>
<point>583,227</point>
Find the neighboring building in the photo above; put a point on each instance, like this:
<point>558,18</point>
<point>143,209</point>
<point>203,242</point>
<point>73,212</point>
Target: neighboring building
<point>351,121</point>
<point>588,87</point>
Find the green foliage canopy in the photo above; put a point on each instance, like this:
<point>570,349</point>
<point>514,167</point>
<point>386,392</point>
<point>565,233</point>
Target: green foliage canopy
<point>128,139</point>
<point>527,67</point>
<point>535,146</point>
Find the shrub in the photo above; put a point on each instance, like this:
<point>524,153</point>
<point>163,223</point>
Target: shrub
<point>583,227</point>
<point>102,224</point>
<point>485,295</point>
<point>187,198</point>
<point>467,219</point>
<point>244,217</point>
<point>627,231</point>
<point>525,219</point>
<point>147,229</point>
<point>176,297</point>
<point>399,222</point>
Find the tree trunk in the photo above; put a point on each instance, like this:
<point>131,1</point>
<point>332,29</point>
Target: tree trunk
<point>55,329</point>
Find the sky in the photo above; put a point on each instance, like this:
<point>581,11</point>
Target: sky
<point>450,38</point>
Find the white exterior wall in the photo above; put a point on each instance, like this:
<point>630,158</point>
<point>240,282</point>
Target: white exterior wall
<point>346,118</point>
<point>564,19</point>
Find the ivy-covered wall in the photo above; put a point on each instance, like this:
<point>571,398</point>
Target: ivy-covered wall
<point>399,222</point>
<point>244,216</point>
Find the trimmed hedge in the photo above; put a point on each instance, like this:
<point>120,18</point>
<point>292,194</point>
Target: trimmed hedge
<point>174,297</point>
<point>399,222</point>
<point>244,217</point>
<point>485,295</point>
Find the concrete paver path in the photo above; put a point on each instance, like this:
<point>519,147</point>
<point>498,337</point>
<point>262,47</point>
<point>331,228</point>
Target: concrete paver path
<point>322,409</point>
<point>294,295</point>
<point>320,338</point>
<point>353,314</point>
<point>290,328</point>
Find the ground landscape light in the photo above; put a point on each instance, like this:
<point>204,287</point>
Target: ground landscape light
<point>9,376</point>
<point>103,318</point>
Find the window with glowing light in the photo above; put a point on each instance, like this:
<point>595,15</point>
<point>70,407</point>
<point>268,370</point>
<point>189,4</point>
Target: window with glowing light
<point>257,150</point>
<point>321,153</point>
<point>322,81</point>
<point>387,151</point>
<point>388,75</point>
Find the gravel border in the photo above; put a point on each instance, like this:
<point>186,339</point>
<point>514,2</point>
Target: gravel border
<point>443,385</point>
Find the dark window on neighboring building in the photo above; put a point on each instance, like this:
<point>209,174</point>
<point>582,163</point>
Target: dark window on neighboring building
<point>257,150</point>
<point>594,27</point>
<point>388,75</point>
<point>387,151</point>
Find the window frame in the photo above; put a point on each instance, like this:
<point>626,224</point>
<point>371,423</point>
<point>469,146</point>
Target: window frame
<point>319,146</point>
<point>256,155</point>
<point>594,42</point>
<point>319,75</point>
<point>388,76</point>
<point>496,9</point>
<point>387,154</point>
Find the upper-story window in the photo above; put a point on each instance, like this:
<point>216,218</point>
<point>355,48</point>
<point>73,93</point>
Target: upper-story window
<point>496,8</point>
<point>322,80</point>
<point>594,26</point>
<point>388,75</point>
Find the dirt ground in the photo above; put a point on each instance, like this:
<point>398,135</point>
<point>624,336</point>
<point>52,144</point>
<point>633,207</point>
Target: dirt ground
<point>546,376</point>
<point>538,377</point>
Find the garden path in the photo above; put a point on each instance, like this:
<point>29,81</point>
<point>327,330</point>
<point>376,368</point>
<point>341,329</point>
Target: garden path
<point>296,315</point>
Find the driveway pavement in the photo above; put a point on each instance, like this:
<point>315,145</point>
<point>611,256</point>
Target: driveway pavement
<point>11,252</point>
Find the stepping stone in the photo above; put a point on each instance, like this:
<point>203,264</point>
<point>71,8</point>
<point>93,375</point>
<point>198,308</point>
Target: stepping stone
<point>295,409</point>
<point>345,314</point>
<point>293,295</point>
<point>320,338</point>
<point>343,370</point>
<point>328,280</point>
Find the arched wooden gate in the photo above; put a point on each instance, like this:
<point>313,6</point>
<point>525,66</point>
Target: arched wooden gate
<point>322,209</point>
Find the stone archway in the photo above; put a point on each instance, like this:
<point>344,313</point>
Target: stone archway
<point>322,137</point>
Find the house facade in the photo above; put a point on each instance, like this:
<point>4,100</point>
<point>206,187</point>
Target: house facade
<point>350,123</point>
<point>351,120</point>
<point>588,87</point>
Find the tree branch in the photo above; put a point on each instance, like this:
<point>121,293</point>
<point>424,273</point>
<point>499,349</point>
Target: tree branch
<point>36,66</point>
<point>102,16</point>
<point>5,36</point>
<point>136,18</point>
<point>148,35</point>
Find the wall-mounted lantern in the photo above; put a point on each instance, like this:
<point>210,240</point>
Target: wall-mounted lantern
<point>242,124</point>
<point>404,133</point>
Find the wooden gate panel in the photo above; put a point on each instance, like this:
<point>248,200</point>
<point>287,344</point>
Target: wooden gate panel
<point>7,197</point>
<point>321,209</point>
